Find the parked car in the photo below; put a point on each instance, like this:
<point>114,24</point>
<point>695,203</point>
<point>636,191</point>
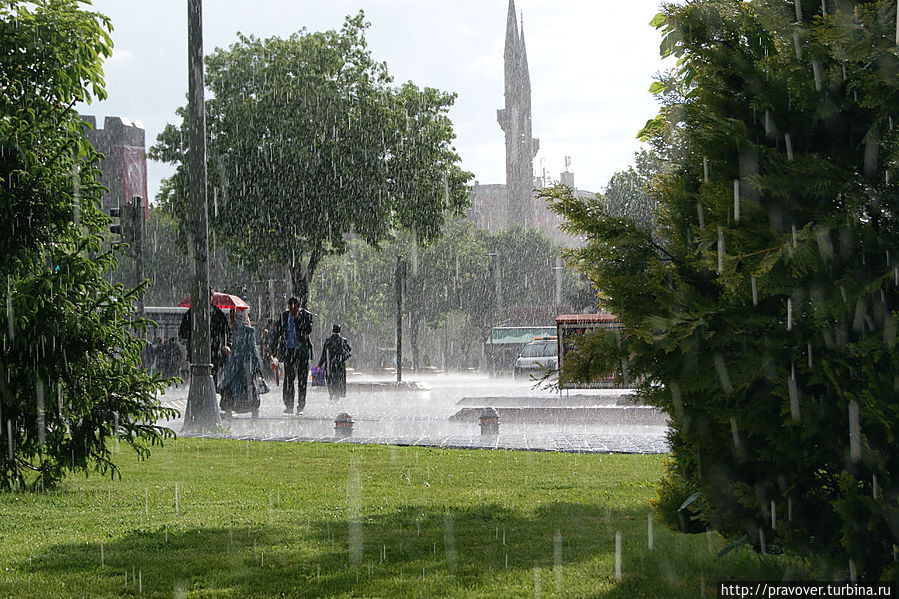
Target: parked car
<point>537,357</point>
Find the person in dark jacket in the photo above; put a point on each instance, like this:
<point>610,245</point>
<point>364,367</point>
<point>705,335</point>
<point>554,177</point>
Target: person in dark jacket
<point>335,353</point>
<point>292,347</point>
<point>219,335</point>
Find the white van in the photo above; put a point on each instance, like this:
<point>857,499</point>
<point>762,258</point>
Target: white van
<point>537,357</point>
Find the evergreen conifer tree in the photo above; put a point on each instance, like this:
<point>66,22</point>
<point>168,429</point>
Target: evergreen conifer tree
<point>761,310</point>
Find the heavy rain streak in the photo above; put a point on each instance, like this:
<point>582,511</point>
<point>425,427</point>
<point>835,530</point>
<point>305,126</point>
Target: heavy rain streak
<point>306,300</point>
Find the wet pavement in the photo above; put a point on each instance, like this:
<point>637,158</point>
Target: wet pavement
<point>443,411</point>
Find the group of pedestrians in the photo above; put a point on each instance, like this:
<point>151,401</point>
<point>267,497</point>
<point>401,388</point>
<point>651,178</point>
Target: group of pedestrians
<point>236,358</point>
<point>165,356</point>
<point>290,344</point>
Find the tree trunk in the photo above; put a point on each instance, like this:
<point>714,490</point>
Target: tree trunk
<point>302,277</point>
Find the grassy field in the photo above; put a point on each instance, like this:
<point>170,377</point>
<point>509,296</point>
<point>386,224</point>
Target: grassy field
<point>223,518</point>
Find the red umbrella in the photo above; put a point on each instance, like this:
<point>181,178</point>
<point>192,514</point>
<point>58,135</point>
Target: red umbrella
<point>222,300</point>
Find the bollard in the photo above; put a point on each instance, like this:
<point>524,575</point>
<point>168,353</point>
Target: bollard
<point>489,420</point>
<point>343,425</point>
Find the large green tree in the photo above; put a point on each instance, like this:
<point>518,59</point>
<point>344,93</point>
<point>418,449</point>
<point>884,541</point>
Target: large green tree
<point>309,144</point>
<point>761,309</point>
<point>71,377</point>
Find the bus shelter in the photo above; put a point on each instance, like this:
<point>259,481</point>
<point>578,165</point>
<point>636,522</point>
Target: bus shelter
<point>571,326</point>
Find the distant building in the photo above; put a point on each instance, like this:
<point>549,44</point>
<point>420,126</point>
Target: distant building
<point>124,166</point>
<point>497,206</point>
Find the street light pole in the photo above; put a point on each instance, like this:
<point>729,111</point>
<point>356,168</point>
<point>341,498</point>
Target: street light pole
<point>202,412</point>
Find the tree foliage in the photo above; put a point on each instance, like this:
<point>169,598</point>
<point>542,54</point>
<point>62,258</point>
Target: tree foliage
<point>309,144</point>
<point>70,369</point>
<point>627,194</point>
<point>761,309</point>
<point>451,283</point>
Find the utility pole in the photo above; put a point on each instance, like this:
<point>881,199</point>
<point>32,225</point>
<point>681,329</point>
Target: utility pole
<point>202,410</point>
<point>137,246</point>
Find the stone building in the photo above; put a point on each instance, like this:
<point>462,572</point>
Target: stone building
<point>124,166</point>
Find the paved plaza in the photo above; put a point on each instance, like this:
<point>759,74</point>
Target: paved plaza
<point>443,411</point>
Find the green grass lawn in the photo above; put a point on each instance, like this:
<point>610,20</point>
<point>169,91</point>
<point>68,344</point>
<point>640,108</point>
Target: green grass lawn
<point>223,518</point>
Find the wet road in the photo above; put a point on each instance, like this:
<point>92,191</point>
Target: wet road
<point>442,411</point>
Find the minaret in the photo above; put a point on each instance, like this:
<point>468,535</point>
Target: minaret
<point>515,121</point>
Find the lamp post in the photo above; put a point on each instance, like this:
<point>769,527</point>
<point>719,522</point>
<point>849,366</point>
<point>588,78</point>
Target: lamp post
<point>558,272</point>
<point>202,410</point>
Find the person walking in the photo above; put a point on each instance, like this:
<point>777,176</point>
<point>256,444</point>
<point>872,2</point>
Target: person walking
<point>219,335</point>
<point>241,366</point>
<point>335,353</point>
<point>294,350</point>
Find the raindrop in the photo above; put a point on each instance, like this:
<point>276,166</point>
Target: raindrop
<point>897,27</point>
<point>753,282</point>
<point>10,318</point>
<point>798,5</point>
<point>705,168</point>
<point>449,540</point>
<point>354,511</point>
<point>773,515</point>
<point>824,244</point>
<point>41,432</point>
<point>537,589</point>
<point>723,374</point>
<point>788,141</point>
<point>734,433</point>
<point>650,539</point>
<point>853,576</point>
<point>617,555</point>
<point>557,560</point>
<point>102,559</point>
<point>816,71</point>
<point>720,250</point>
<point>794,394</point>
<point>874,485</point>
<point>855,450</point>
<point>676,399</point>
<point>762,544</point>
<point>700,215</point>
<point>789,314</point>
<point>9,438</point>
<point>736,200</point>
<point>889,331</point>
<point>176,500</point>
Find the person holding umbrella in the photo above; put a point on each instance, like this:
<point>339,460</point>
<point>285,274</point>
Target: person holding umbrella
<point>242,366</point>
<point>219,334</point>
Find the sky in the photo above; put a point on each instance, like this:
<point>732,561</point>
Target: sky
<point>591,65</point>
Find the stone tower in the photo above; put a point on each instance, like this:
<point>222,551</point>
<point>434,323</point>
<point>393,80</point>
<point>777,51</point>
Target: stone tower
<point>515,121</point>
